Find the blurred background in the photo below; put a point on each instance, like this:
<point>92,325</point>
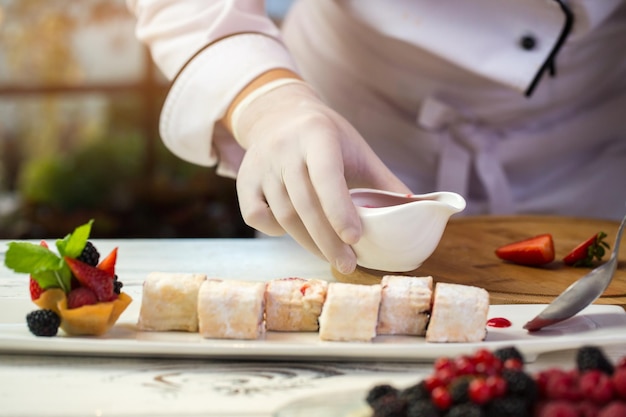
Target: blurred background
<point>79,106</point>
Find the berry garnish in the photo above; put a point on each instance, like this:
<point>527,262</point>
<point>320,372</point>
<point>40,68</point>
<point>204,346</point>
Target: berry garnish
<point>43,322</point>
<point>89,255</point>
<point>35,289</point>
<point>496,390</point>
<point>68,279</point>
<point>93,278</point>
<point>534,251</point>
<point>108,263</point>
<point>590,358</point>
<point>588,251</point>
<point>81,296</point>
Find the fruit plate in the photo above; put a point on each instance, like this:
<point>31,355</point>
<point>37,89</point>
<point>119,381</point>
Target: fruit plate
<point>597,324</point>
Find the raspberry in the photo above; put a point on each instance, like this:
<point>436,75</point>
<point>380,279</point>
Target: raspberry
<point>81,296</point>
<point>587,409</point>
<point>562,385</point>
<point>378,392</point>
<point>558,409</point>
<point>591,357</point>
<point>596,386</point>
<point>422,408</point>
<point>89,255</point>
<point>43,322</point>
<point>619,382</point>
<point>614,409</point>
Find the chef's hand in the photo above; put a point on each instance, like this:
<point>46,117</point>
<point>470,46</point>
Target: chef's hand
<point>301,159</point>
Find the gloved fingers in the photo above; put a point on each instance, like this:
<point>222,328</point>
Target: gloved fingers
<point>312,223</point>
<point>325,170</point>
<point>254,208</point>
<point>286,215</point>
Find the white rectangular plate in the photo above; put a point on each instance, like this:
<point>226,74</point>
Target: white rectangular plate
<point>597,325</point>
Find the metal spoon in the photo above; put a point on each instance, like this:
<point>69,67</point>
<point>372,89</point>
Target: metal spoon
<point>581,293</point>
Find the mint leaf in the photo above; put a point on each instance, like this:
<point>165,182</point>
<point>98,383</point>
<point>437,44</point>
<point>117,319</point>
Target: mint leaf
<point>54,279</point>
<point>73,244</point>
<point>41,263</point>
<point>28,258</point>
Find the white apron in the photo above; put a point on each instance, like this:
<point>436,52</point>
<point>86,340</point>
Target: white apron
<point>439,126</point>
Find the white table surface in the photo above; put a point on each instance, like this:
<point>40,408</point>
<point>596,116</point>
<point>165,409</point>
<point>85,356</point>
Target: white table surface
<point>39,385</point>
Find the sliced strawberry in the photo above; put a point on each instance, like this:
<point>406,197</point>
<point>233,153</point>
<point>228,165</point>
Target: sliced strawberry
<point>93,278</point>
<point>35,289</point>
<point>534,251</point>
<point>81,296</point>
<point>108,264</point>
<point>33,286</point>
<point>585,253</point>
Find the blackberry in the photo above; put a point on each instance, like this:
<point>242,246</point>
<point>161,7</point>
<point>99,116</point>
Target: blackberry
<point>380,391</point>
<point>117,285</point>
<point>459,390</point>
<point>592,358</point>
<point>508,353</point>
<point>509,406</point>
<point>422,408</point>
<point>519,383</point>
<point>89,255</point>
<point>465,410</point>
<point>389,405</point>
<point>416,392</point>
<point>43,322</point>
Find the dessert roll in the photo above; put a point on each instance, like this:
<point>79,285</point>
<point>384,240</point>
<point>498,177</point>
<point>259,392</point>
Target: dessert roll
<point>294,304</point>
<point>404,305</point>
<point>231,309</point>
<point>459,314</point>
<point>170,302</point>
<point>350,312</point>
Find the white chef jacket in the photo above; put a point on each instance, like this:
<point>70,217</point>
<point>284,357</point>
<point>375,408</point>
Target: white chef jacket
<point>437,88</point>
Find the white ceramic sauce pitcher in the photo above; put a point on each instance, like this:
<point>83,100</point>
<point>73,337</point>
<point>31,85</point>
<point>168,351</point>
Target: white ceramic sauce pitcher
<point>400,231</point>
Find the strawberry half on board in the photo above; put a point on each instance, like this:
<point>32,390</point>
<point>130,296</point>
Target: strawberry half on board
<point>534,251</point>
<point>586,252</point>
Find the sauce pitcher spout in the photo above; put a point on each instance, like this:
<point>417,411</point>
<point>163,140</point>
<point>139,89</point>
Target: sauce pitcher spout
<point>400,231</point>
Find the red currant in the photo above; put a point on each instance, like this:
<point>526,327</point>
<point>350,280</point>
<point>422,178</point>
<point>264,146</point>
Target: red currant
<point>479,392</point>
<point>497,386</point>
<point>441,398</point>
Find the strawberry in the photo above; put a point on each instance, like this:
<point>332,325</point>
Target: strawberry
<point>35,289</point>
<point>585,253</point>
<point>33,286</point>
<point>108,264</point>
<point>81,296</point>
<point>98,281</point>
<point>534,251</point>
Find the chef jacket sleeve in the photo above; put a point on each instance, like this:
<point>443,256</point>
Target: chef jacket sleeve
<point>210,50</point>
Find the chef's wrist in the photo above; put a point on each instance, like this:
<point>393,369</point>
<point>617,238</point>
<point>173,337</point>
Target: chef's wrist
<point>261,80</point>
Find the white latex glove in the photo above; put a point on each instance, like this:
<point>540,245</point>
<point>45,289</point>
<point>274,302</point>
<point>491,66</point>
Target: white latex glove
<point>301,159</point>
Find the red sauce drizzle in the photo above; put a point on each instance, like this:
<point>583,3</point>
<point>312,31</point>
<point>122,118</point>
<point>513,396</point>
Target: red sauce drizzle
<point>498,322</point>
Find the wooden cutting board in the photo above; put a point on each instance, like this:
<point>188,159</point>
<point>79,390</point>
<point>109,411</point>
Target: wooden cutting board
<point>466,255</point>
